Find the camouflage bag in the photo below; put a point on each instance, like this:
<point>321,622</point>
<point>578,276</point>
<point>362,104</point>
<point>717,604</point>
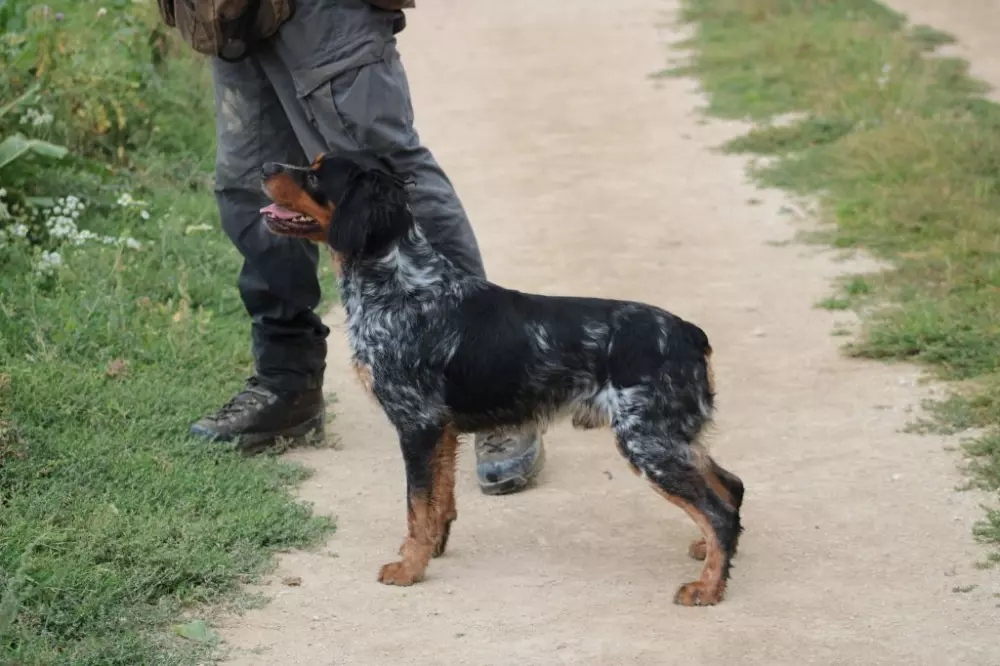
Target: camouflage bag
<point>229,29</point>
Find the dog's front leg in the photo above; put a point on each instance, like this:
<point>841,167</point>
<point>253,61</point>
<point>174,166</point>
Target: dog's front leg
<point>429,457</point>
<point>443,492</point>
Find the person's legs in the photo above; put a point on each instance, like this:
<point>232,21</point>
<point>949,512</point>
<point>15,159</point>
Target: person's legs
<point>278,281</point>
<point>354,95</point>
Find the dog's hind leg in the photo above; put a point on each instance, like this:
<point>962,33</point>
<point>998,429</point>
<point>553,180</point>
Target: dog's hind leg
<point>429,455</point>
<point>671,465</point>
<point>727,485</point>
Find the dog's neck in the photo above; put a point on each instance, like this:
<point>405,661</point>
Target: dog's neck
<point>391,294</point>
<point>408,268</point>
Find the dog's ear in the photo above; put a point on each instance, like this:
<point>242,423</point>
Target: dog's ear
<point>347,233</point>
<point>372,214</point>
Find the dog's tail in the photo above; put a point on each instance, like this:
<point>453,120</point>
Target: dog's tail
<point>699,340</point>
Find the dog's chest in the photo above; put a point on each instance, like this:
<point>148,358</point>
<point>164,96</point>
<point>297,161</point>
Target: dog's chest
<point>382,330</point>
<point>400,320</point>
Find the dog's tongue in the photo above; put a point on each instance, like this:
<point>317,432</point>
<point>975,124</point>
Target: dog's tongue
<point>274,210</point>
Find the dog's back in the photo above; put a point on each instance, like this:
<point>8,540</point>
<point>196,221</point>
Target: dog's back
<point>526,358</point>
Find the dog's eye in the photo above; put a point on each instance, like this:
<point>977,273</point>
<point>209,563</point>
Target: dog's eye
<point>312,180</point>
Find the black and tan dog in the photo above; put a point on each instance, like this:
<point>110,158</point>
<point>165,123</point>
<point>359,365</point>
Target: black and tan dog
<point>446,353</point>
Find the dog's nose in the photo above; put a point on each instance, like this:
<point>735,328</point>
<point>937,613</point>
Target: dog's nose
<point>270,169</point>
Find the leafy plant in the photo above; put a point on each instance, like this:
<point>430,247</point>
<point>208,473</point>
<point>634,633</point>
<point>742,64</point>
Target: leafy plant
<point>17,145</point>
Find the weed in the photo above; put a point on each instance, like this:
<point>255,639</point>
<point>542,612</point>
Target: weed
<point>833,303</point>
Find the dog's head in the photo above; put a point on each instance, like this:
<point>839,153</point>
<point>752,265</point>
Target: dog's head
<point>355,202</point>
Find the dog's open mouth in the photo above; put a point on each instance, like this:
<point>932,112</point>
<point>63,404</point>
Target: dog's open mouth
<point>286,221</point>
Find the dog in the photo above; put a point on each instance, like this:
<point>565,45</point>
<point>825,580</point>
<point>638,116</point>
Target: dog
<point>446,353</point>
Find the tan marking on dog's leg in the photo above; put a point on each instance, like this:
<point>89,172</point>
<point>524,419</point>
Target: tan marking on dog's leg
<point>698,549</point>
<point>364,375</point>
<point>443,491</point>
<point>706,467</point>
<point>429,517</point>
<point>709,588</point>
<point>417,547</point>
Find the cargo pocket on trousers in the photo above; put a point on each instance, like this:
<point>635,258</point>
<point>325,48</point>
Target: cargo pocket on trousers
<point>321,108</point>
<point>366,108</point>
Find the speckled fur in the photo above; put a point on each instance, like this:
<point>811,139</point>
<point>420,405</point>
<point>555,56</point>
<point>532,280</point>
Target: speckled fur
<point>448,351</point>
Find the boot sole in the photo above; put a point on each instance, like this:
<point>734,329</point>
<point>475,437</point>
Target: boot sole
<point>516,483</point>
<point>307,432</point>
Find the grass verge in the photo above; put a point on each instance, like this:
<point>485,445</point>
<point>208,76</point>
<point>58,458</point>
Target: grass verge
<point>114,525</point>
<point>903,155</point>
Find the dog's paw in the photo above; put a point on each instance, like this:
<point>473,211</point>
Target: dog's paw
<point>698,549</point>
<point>698,594</point>
<point>396,573</point>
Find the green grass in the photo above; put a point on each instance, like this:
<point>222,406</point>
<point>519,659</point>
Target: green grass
<point>124,520</point>
<point>903,155</point>
<point>114,524</point>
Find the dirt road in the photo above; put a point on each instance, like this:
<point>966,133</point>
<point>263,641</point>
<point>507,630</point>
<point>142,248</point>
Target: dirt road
<point>583,176</point>
<point>973,22</point>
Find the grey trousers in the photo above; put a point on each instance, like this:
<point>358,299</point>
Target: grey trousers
<point>330,79</point>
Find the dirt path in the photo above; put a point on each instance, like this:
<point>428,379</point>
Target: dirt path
<point>582,176</point>
<point>973,22</point>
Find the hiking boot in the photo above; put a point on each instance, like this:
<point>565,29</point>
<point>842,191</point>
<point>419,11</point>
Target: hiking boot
<point>508,462</point>
<point>256,417</point>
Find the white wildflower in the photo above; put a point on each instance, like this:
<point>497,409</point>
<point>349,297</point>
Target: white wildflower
<point>61,227</point>
<point>133,244</point>
<point>144,214</point>
<point>101,12</point>
<point>20,230</point>
<point>3,192</point>
<point>125,200</point>
<point>36,118</point>
<point>48,262</point>
<point>883,80</point>
<point>109,240</point>
<point>82,236</point>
